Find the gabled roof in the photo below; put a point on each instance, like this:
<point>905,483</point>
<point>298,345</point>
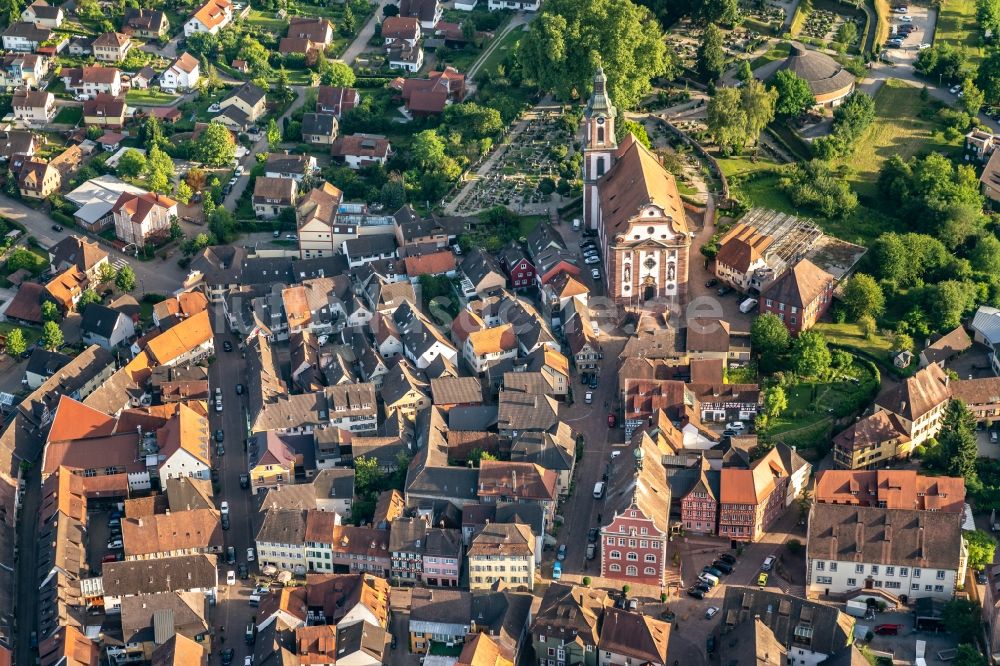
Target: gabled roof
<point>635,636</point>
<point>214,13</point>
<point>916,395</point>
<point>800,286</point>
<point>568,612</point>
<point>185,62</point>
<point>114,40</point>
<point>400,27</point>
<point>27,303</point>
<point>635,180</point>
<point>184,337</point>
<point>99,320</point>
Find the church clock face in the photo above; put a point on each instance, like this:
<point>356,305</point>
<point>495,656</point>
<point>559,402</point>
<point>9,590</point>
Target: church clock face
<point>649,263</point>
<point>600,120</point>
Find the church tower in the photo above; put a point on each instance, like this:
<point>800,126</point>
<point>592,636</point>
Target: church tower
<point>599,145</point>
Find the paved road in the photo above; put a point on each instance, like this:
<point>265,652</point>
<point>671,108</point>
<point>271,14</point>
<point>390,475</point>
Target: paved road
<point>156,276</point>
<point>233,610</point>
<point>367,32</point>
<point>250,159</point>
<point>518,22</point>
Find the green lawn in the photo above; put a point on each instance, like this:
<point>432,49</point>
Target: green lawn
<point>31,333</point>
<point>862,226</point>
<point>813,406</point>
<point>957,25</point>
<point>267,22</point>
<point>778,52</point>
<point>149,97</point>
<point>899,129</point>
<point>741,165</point>
<point>507,44</point>
<point>849,335</point>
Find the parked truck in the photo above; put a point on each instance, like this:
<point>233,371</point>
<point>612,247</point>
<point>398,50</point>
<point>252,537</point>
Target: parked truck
<point>857,608</point>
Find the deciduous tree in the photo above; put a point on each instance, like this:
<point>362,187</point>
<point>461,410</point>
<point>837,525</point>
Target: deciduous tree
<point>16,344</point>
<point>810,354</point>
<point>794,94</point>
<point>863,296</point>
<point>52,336</point>
<point>132,164</point>
<point>125,280</point>
<point>86,298</point>
<point>769,340</point>
<point>982,547</point>
<point>215,146</point>
<point>571,37</point>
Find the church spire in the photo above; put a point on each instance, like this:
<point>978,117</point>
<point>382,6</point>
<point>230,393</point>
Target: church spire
<point>599,104</point>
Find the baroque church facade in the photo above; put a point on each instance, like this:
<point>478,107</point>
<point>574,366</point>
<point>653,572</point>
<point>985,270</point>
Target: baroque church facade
<point>634,205</point>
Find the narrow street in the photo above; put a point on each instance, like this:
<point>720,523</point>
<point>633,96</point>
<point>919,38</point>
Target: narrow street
<point>233,610</point>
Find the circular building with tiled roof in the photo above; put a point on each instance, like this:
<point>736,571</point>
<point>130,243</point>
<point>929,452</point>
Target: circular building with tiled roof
<point>827,78</point>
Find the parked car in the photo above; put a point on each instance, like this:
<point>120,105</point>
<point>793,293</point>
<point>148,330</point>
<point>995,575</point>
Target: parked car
<point>695,592</point>
<point>230,577</point>
<point>250,555</point>
<point>723,567</point>
<point>227,345</point>
<point>703,586</point>
<point>557,571</point>
<point>723,290</point>
<point>906,19</point>
<point>244,481</point>
<point>595,273</point>
<point>115,544</point>
<point>762,579</point>
<point>220,436</point>
<point>738,426</point>
<point>225,522</point>
<point>588,397</point>
<point>57,227</point>
<point>728,558</point>
<point>954,90</point>
<point>612,420</point>
<point>711,570</point>
<point>591,551</point>
<point>981,577</point>
<point>225,507</point>
<point>243,571</point>
<point>227,656</point>
<point>593,535</point>
<point>710,644</point>
<point>768,563</point>
<point>561,553</point>
<point>710,612</point>
<point>220,450</point>
<point>239,389</point>
<point>594,259</point>
<point>887,629</point>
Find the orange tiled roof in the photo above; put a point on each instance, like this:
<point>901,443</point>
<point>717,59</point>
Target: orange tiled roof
<point>74,420</point>
<point>493,340</point>
<point>181,338</point>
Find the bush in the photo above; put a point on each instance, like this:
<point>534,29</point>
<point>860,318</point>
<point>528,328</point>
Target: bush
<point>794,546</point>
<point>586,581</point>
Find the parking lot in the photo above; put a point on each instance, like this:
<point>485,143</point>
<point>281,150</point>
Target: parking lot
<point>99,533</point>
<point>923,21</point>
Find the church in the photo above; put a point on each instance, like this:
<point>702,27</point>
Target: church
<point>633,204</point>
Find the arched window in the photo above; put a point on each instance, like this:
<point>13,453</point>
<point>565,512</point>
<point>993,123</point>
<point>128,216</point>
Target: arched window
<point>616,555</point>
<point>631,570</point>
<point>632,557</point>
<point>650,571</point>
<point>600,166</point>
<point>615,567</point>
<point>600,135</point>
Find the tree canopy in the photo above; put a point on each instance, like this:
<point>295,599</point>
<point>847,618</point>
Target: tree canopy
<point>863,297</point>
<point>810,354</point>
<point>570,38</point>
<point>52,336</point>
<point>982,547</point>
<point>736,116</point>
<point>957,441</point>
<point>794,94</point>
<point>215,146</point>
<point>125,280</point>
<point>711,56</point>
<point>16,344</point>
<point>769,340</point>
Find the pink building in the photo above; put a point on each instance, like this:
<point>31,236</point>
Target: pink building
<point>634,542</point>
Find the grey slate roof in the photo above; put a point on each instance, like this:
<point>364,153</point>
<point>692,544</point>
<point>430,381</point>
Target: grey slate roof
<point>99,320</point>
<point>283,526</point>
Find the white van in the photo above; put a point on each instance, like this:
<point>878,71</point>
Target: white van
<point>748,305</point>
<point>599,490</point>
<point>576,224</point>
<point>708,578</point>
<point>254,600</point>
<point>768,563</point>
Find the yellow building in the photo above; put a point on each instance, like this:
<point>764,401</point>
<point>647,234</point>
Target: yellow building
<point>405,390</point>
<point>502,552</point>
<point>871,441</point>
<point>279,456</point>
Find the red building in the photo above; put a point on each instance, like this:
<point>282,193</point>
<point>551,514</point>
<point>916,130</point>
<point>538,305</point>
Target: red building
<point>700,506</point>
<point>520,271</point>
<point>750,500</point>
<point>634,543</point>
<point>800,296</point>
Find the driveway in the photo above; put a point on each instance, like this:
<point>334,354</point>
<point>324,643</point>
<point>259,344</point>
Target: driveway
<point>250,159</point>
<point>367,32</point>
